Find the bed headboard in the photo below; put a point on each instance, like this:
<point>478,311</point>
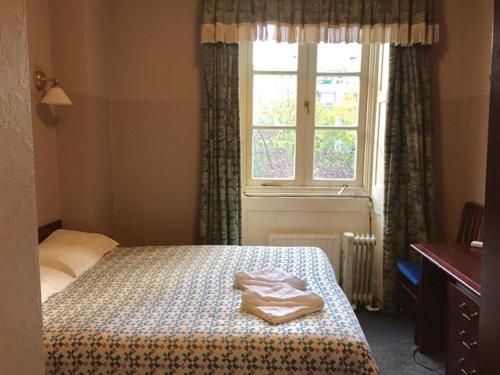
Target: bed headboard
<point>47,229</point>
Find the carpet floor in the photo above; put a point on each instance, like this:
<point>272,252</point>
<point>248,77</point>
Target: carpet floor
<point>391,341</point>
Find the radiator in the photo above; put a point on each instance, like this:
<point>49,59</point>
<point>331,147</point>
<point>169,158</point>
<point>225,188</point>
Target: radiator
<point>357,260</point>
<point>328,242</point>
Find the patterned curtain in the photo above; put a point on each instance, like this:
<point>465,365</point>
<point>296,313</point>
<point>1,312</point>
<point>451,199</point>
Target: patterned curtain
<point>404,22</point>
<point>220,221</point>
<point>408,192</point>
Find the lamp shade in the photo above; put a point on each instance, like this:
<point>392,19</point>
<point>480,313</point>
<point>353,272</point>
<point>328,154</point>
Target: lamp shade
<point>56,95</point>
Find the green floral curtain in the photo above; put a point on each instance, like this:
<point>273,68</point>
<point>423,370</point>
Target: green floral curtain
<point>408,193</point>
<point>404,22</point>
<point>220,221</point>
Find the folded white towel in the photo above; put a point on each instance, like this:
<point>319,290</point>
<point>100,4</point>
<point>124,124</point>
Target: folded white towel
<point>267,277</point>
<point>280,303</point>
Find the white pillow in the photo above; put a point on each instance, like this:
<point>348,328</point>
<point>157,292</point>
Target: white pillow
<point>53,281</point>
<point>74,252</point>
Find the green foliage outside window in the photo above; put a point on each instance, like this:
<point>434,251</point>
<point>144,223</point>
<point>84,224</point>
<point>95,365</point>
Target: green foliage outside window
<point>334,149</point>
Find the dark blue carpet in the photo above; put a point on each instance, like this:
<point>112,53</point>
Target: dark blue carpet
<point>391,341</point>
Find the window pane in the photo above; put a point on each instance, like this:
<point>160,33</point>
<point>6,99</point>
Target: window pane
<point>272,56</point>
<point>274,100</point>
<point>335,154</point>
<point>273,154</point>
<point>339,58</point>
<point>337,101</point>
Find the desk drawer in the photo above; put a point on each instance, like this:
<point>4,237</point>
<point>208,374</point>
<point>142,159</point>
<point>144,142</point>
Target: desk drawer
<point>463,331</point>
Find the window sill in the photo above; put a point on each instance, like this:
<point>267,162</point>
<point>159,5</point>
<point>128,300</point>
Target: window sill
<point>304,192</point>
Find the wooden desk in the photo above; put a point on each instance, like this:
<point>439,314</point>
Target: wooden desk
<point>448,313</point>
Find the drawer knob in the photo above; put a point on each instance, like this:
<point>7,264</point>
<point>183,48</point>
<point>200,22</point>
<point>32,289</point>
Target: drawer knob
<point>461,333</point>
<point>462,305</point>
<point>469,317</point>
<point>470,345</point>
<point>465,372</point>
<point>461,360</point>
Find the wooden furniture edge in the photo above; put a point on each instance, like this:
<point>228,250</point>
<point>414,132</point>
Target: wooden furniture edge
<point>46,230</point>
<point>448,268</point>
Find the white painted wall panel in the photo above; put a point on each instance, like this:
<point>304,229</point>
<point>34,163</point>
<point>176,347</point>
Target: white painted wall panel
<point>262,215</point>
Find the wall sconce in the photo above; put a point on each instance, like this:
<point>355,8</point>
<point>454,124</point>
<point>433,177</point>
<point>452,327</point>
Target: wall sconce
<point>55,94</point>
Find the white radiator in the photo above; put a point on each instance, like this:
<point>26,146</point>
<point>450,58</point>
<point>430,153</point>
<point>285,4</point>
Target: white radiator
<point>357,260</point>
<point>328,242</point>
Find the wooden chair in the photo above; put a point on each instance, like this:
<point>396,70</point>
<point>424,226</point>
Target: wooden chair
<point>471,228</point>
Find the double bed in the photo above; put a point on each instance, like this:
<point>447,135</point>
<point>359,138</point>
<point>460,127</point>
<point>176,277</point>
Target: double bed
<point>174,310</point>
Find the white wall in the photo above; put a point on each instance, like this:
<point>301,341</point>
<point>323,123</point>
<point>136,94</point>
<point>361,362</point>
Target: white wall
<point>378,208</point>
<point>262,215</point>
<point>20,313</point>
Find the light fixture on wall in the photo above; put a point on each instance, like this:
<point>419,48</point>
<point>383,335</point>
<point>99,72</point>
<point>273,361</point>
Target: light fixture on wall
<point>55,94</point>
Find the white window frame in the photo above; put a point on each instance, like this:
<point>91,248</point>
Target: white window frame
<point>304,182</point>
<point>380,101</point>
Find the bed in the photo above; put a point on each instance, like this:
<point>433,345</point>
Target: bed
<point>169,310</point>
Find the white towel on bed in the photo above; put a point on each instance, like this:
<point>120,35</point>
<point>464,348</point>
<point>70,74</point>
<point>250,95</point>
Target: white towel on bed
<point>268,277</point>
<point>280,303</point>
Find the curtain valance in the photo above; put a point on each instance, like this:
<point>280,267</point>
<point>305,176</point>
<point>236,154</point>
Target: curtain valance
<point>403,22</point>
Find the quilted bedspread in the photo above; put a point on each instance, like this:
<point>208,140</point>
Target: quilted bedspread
<point>174,310</point>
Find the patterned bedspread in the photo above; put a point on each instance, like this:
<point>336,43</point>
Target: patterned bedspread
<point>173,310</point>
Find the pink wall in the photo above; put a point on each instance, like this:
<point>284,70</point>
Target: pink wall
<point>124,160</point>
<point>462,67</point>
<point>80,36</point>
<point>128,151</point>
<point>155,119</point>
<point>44,123</point>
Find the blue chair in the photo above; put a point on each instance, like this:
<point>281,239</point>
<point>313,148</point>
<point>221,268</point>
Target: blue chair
<point>410,276</point>
<point>411,271</point>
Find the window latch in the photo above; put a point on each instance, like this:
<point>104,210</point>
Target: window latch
<point>306,104</point>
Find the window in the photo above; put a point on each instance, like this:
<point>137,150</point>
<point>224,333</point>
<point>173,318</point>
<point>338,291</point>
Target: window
<point>304,112</point>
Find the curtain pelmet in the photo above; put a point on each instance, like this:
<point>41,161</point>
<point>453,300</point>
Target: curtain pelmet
<point>402,22</point>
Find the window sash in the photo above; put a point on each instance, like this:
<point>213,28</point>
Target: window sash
<point>304,127</point>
